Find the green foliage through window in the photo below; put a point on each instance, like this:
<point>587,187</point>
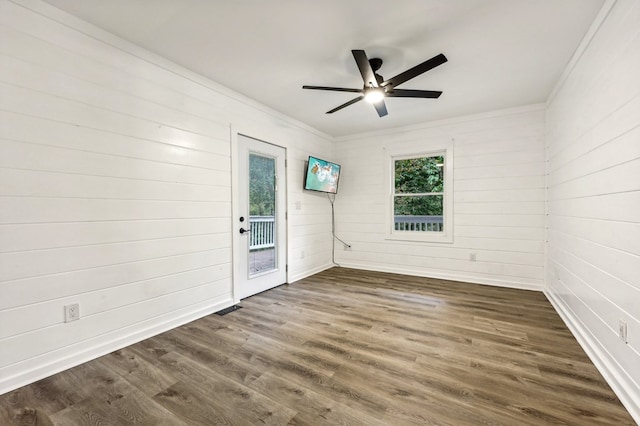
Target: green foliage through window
<point>419,175</point>
<point>262,185</point>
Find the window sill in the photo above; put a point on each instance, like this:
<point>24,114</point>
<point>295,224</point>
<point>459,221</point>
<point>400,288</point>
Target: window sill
<point>440,238</point>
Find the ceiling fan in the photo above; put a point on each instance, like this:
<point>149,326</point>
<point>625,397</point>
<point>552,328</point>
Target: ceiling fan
<point>377,88</point>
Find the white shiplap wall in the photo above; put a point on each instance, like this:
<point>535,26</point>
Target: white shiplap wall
<point>498,200</point>
<point>115,191</point>
<point>593,144</point>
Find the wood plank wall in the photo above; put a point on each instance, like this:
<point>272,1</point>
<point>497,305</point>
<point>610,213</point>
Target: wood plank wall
<point>593,145</point>
<point>115,191</point>
<point>498,200</point>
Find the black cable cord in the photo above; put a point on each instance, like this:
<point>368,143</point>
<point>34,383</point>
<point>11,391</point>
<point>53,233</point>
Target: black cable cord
<point>333,231</point>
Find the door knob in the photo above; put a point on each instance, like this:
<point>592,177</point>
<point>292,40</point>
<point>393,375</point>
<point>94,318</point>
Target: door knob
<point>242,230</point>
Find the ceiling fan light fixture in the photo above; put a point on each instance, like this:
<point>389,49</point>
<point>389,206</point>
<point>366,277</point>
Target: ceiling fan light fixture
<point>374,95</point>
<point>376,88</point>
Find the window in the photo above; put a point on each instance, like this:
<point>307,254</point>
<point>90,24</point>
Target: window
<point>418,194</point>
<point>420,201</point>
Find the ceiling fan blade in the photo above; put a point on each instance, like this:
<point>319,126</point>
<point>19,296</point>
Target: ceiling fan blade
<point>351,102</point>
<point>400,93</point>
<point>334,89</point>
<point>381,108</point>
<point>368,76</point>
<point>415,71</point>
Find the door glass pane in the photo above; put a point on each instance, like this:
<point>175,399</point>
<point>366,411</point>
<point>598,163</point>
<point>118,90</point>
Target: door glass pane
<point>262,212</point>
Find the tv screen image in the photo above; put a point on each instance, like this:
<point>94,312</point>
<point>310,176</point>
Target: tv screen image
<point>322,176</point>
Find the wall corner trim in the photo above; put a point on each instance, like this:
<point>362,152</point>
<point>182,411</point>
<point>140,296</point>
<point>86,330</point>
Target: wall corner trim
<point>582,47</point>
<point>297,277</point>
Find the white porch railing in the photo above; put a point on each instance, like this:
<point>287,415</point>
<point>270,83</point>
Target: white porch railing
<point>418,223</point>
<point>263,228</point>
<point>262,232</point>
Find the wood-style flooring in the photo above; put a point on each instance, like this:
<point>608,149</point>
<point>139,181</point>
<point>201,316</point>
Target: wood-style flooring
<point>343,347</point>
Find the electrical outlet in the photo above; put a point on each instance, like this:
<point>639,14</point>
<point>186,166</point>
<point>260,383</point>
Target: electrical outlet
<point>72,312</point>
<point>622,330</point>
<point>302,254</point>
<point>472,257</point>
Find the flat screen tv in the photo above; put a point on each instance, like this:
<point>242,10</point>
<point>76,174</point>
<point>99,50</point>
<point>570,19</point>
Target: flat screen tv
<point>322,176</point>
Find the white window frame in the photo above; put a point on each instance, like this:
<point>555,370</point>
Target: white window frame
<point>446,236</point>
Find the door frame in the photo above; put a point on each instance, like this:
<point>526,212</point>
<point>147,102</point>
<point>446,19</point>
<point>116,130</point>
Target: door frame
<point>235,208</point>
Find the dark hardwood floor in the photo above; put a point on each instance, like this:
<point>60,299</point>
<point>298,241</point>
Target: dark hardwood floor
<point>342,347</point>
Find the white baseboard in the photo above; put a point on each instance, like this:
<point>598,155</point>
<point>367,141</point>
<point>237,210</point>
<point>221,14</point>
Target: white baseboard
<point>451,277</point>
<point>297,277</point>
<point>621,384</point>
<point>44,366</point>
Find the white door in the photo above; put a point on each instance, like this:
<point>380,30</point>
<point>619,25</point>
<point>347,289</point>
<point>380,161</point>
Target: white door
<point>260,222</point>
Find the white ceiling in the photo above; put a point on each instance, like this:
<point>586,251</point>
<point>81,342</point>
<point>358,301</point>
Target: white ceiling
<point>502,53</point>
